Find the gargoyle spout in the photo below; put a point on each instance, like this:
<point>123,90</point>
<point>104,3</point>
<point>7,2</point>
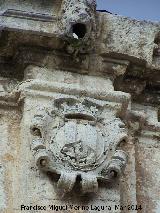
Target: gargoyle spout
<point>78,17</point>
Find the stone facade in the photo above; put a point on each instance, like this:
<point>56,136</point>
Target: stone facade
<point>79,109</point>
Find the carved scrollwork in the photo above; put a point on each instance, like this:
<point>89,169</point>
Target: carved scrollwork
<point>79,139</point>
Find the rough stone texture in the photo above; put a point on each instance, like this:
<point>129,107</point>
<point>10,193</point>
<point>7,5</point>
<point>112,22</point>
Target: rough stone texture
<point>80,132</point>
<point>78,12</point>
<point>124,36</point>
<point>70,98</point>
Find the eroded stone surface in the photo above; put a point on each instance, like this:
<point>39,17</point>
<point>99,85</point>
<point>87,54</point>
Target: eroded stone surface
<point>74,95</point>
<point>81,141</point>
<point>78,17</point>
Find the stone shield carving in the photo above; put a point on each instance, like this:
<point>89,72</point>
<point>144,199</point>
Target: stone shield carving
<point>78,140</point>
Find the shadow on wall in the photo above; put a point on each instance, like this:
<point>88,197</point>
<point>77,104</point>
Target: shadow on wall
<point>156,52</point>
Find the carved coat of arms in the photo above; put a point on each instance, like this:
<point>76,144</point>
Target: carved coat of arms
<point>78,139</point>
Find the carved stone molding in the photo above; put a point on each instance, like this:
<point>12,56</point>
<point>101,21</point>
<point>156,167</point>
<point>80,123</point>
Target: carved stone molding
<point>79,139</point>
<point>29,15</point>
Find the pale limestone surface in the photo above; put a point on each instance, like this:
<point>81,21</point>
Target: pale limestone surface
<point>124,36</point>
<point>76,108</point>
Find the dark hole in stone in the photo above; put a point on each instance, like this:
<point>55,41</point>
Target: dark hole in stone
<point>43,162</point>
<point>79,29</point>
<point>113,173</point>
<point>53,176</point>
<point>156,51</point>
<point>77,185</point>
<point>80,116</point>
<point>36,132</point>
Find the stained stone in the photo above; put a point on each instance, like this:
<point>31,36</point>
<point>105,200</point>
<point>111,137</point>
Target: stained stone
<point>79,109</point>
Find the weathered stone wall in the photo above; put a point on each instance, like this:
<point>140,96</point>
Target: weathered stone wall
<point>92,94</point>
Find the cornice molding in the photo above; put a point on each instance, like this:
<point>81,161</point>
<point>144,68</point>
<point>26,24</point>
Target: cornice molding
<point>29,15</point>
